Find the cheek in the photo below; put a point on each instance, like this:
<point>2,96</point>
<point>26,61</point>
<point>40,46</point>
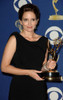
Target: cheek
<point>24,23</point>
<point>34,24</point>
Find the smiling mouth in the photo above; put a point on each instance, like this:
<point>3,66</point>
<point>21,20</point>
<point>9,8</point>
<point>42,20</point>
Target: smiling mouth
<point>29,27</point>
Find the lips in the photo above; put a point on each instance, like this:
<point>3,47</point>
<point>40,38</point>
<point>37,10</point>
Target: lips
<point>29,26</point>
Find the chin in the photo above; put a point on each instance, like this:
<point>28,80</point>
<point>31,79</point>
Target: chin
<point>29,30</point>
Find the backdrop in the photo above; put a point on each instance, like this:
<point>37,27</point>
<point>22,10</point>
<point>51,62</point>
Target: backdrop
<point>51,26</point>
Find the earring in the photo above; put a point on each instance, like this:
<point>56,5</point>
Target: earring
<point>18,25</point>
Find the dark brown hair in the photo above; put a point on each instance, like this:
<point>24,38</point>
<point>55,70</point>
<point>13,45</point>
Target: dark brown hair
<point>29,7</point>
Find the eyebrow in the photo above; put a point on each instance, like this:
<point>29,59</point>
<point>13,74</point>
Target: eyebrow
<point>27,18</point>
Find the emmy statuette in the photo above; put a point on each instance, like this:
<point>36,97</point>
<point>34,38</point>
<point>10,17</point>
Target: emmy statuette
<point>53,75</point>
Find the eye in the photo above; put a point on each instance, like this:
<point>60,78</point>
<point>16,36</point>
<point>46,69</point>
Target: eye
<point>54,93</point>
<point>53,33</point>
<point>33,19</point>
<point>25,19</point>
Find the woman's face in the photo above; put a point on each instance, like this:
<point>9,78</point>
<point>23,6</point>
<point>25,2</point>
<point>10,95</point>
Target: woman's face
<point>29,21</point>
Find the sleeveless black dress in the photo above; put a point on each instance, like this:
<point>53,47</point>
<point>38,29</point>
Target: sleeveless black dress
<point>28,55</point>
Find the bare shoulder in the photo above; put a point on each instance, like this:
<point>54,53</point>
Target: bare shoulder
<point>11,42</point>
<point>12,39</point>
<point>9,51</point>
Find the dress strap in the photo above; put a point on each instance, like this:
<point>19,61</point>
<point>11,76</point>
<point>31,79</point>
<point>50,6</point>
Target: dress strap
<point>15,34</point>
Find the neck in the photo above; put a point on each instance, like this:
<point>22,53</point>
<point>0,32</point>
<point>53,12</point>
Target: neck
<point>27,34</point>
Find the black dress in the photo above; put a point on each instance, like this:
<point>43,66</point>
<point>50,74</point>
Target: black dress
<point>28,55</point>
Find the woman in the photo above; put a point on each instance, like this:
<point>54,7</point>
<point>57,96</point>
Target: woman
<point>24,57</point>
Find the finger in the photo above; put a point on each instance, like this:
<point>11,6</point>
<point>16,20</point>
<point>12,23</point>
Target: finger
<point>43,78</point>
<point>51,67</point>
<point>49,60</point>
<point>38,71</point>
<point>39,79</point>
<point>54,62</point>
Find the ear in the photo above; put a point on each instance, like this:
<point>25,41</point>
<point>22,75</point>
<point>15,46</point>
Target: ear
<point>37,21</point>
<point>20,22</point>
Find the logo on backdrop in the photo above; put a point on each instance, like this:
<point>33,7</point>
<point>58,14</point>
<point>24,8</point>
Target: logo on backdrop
<point>53,33</point>
<point>55,93</point>
<point>56,16</point>
<point>18,3</point>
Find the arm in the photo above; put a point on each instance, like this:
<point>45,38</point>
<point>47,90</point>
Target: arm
<point>44,68</point>
<point>50,64</point>
<point>9,51</point>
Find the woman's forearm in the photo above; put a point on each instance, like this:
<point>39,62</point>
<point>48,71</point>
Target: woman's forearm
<point>13,70</point>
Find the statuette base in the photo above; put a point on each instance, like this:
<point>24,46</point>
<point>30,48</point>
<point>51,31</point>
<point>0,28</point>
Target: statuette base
<point>56,17</point>
<point>51,76</point>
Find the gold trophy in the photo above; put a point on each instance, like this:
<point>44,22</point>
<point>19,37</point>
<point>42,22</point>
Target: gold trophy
<point>53,75</point>
<point>56,16</point>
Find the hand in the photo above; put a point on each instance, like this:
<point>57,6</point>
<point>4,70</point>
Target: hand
<point>34,75</point>
<point>51,64</point>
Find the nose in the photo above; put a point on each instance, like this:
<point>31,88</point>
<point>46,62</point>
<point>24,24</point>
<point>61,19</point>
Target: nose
<point>29,22</point>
